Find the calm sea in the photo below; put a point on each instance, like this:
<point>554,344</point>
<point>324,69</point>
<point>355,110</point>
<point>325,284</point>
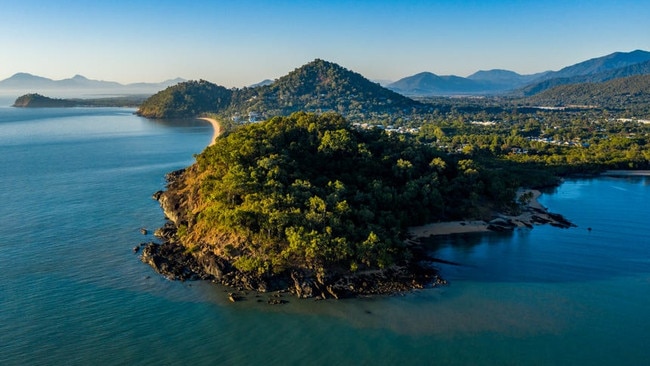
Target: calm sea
<point>76,187</point>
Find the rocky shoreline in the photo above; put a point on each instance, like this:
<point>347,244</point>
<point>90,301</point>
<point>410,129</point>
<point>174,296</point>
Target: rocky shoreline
<point>531,213</point>
<point>175,262</point>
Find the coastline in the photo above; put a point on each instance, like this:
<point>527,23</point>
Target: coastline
<point>216,126</point>
<point>531,213</point>
<point>626,173</point>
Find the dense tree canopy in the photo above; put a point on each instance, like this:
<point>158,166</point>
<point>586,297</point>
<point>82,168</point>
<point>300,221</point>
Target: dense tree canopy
<point>187,99</point>
<point>309,191</point>
<point>319,86</point>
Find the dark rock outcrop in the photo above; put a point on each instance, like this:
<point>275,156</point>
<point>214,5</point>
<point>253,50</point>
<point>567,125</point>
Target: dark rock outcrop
<point>176,262</point>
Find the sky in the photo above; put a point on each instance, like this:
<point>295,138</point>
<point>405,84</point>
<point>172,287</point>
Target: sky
<point>238,43</point>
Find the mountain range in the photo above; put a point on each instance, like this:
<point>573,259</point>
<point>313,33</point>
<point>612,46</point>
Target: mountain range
<point>21,83</point>
<point>615,65</point>
<point>324,86</point>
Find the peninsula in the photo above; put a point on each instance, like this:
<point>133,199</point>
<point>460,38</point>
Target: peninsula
<point>309,204</point>
<point>35,100</point>
<point>323,182</point>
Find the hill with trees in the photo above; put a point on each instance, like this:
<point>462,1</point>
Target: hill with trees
<point>631,93</point>
<point>319,86</point>
<point>34,100</point>
<point>642,68</point>
<point>186,99</point>
<point>311,200</point>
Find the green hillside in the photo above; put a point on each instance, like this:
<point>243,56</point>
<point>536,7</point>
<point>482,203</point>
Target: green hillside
<point>319,86</point>
<point>310,193</point>
<point>631,93</point>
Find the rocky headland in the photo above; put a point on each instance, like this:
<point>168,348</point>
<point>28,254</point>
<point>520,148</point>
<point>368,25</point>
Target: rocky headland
<point>174,261</point>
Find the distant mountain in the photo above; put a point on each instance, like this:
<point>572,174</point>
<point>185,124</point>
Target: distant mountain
<point>262,83</point>
<point>428,84</point>
<point>504,79</point>
<point>479,83</point>
<point>619,64</point>
<point>601,64</point>
<point>631,93</point>
<point>24,80</point>
<point>319,86</point>
<point>641,68</point>
<point>26,83</point>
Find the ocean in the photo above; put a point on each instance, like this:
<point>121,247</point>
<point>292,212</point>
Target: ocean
<point>76,188</point>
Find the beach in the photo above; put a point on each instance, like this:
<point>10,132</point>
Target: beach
<point>532,213</point>
<point>216,126</point>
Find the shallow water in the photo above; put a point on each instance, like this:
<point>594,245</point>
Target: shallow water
<point>76,187</point>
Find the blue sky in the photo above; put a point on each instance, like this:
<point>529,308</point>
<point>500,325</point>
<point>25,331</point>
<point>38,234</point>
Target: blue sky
<point>237,43</point>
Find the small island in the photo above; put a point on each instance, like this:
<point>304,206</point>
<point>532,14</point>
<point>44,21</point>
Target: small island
<point>35,100</point>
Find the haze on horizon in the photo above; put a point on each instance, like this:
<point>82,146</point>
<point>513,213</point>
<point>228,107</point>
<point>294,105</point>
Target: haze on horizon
<point>240,43</point>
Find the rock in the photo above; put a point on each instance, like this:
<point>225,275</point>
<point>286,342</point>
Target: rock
<point>501,225</point>
<point>273,301</point>
<point>233,297</point>
<point>213,265</point>
<point>143,231</point>
<point>303,288</point>
<point>172,261</point>
<point>167,232</point>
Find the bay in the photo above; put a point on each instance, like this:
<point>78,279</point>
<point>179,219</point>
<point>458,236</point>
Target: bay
<point>76,187</point>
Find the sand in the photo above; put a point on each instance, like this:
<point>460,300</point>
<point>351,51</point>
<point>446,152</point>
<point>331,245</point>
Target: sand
<point>478,226</point>
<point>216,126</point>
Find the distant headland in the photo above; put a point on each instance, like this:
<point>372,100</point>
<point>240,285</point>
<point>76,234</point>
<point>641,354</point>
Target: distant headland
<point>35,100</point>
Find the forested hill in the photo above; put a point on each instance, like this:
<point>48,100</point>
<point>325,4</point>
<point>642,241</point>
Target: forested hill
<point>642,68</point>
<point>624,93</point>
<point>311,194</point>
<point>319,86</point>
<point>186,99</point>
<point>34,100</point>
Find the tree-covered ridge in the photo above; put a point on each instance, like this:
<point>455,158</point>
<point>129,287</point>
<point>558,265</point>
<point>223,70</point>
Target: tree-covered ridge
<point>312,193</point>
<point>35,100</point>
<point>322,86</point>
<point>319,86</point>
<point>186,99</point>
<point>583,76</point>
<point>612,94</point>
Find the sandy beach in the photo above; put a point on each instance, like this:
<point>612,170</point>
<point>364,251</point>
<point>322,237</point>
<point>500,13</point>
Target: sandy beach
<point>216,126</point>
<point>531,213</point>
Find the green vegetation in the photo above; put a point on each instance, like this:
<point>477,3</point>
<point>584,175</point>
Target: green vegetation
<point>332,192</point>
<point>39,101</point>
<point>319,86</point>
<point>186,99</point>
<point>311,192</point>
<point>630,93</point>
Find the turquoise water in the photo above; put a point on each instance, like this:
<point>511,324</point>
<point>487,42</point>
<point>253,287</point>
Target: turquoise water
<point>76,187</point>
